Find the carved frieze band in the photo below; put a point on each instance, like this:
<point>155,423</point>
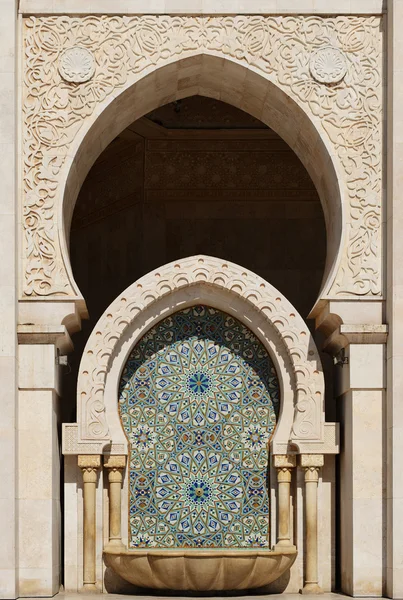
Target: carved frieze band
<point>292,332</point>
<point>330,66</point>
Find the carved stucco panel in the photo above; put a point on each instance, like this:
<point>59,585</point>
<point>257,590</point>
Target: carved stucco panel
<point>281,48</point>
<point>259,295</point>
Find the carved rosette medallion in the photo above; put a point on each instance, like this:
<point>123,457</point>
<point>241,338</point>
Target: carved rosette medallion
<point>77,65</point>
<point>328,65</point>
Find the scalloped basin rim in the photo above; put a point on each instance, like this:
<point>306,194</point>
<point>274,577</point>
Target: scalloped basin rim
<point>199,569</point>
<point>194,552</point>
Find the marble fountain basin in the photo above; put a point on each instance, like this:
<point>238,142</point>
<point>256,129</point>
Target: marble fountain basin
<point>199,569</point>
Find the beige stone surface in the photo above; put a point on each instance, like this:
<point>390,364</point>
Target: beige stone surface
<point>37,368</point>
<point>114,462</point>
<point>311,465</point>
<point>39,491</point>
<point>203,6</point>
<point>275,596</point>
<point>115,466</point>
<point>201,570</point>
<point>39,512</point>
<point>394,215</point>
<point>285,469</point>
<point>362,524</point>
<point>8,295</point>
<point>326,524</point>
<point>71,521</point>
<point>312,460</point>
<point>367,366</point>
<point>90,467</point>
<point>284,461</point>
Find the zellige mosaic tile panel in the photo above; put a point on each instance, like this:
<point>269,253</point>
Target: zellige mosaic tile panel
<point>198,400</point>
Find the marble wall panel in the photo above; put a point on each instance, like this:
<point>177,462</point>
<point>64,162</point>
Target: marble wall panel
<point>204,6</point>
<point>8,295</point>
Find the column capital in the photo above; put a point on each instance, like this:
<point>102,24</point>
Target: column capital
<point>312,460</point>
<point>89,464</point>
<point>284,474</point>
<point>312,474</point>
<point>89,461</point>
<point>114,461</point>
<point>284,461</point>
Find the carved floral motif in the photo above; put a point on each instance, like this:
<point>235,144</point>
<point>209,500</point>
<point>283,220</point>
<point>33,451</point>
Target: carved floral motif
<point>328,65</point>
<point>279,47</point>
<point>293,335</point>
<point>77,65</point>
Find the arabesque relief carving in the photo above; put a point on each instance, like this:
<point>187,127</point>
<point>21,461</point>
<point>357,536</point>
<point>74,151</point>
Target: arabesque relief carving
<point>281,48</point>
<point>258,294</point>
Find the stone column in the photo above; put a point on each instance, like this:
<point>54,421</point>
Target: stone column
<point>311,463</point>
<point>42,339</point>
<point>115,466</point>
<point>89,464</point>
<point>284,465</point>
<point>361,404</point>
<point>39,511</point>
<point>356,336</point>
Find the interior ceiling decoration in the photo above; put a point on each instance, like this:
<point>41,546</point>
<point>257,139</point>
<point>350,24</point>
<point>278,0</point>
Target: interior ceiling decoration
<point>348,113</point>
<point>198,402</point>
<point>200,112</point>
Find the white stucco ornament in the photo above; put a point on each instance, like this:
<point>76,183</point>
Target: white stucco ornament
<point>328,65</point>
<point>77,65</point>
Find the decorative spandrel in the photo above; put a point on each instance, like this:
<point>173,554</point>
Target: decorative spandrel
<point>198,400</point>
<point>332,67</point>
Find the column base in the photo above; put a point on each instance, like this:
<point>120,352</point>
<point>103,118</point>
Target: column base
<point>90,588</point>
<point>114,545</point>
<point>311,588</point>
<point>279,547</point>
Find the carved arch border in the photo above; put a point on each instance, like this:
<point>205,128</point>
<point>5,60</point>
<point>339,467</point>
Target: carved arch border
<point>346,116</point>
<point>304,430</point>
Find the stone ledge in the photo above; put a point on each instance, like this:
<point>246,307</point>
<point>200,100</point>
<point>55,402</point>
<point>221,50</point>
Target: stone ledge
<point>355,334</point>
<point>203,7</point>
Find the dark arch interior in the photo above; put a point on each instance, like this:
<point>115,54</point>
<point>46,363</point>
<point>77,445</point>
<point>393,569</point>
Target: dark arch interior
<point>195,176</point>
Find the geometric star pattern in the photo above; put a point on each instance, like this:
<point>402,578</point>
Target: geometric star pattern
<point>198,400</point>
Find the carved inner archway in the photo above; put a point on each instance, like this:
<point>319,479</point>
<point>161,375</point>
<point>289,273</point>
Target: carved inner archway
<point>224,286</point>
